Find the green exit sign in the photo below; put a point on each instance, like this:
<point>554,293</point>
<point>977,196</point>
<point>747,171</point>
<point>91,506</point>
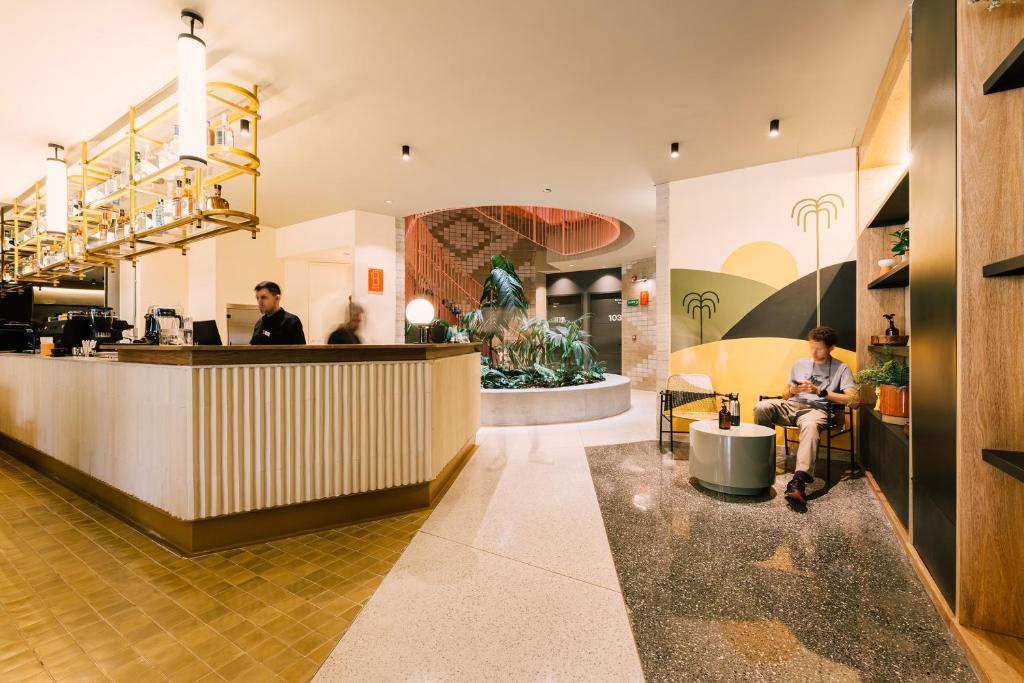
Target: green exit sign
<point>633,302</point>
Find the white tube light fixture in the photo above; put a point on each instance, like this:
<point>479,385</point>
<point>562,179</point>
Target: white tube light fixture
<point>56,192</point>
<point>192,127</point>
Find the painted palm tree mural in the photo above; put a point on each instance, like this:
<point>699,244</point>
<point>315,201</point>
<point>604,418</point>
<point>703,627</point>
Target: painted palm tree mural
<point>700,303</point>
<point>827,206</point>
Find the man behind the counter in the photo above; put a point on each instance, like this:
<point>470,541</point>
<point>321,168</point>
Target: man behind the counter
<point>277,326</point>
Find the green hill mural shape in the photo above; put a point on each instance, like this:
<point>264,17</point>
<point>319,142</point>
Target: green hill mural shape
<point>736,296</point>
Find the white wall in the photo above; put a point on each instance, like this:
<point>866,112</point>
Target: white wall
<point>241,263</point>
<point>710,215</point>
<point>375,248</point>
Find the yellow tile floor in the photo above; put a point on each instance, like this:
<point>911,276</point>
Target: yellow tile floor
<point>84,596</point>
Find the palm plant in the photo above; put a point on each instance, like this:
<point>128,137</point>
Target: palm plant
<point>502,306</point>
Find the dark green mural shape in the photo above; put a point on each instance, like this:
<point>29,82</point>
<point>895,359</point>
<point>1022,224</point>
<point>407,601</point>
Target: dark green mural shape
<point>791,312</point>
<point>736,297</point>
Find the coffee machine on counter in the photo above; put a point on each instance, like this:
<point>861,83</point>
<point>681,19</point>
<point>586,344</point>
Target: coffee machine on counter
<point>164,325</point>
<point>70,329</point>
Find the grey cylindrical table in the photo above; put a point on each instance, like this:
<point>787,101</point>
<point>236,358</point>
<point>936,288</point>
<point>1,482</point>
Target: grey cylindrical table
<point>740,460</point>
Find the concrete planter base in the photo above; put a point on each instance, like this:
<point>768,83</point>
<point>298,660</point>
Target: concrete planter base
<point>507,407</point>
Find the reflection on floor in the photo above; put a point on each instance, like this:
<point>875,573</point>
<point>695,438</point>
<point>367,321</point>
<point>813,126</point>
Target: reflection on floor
<point>84,596</point>
<point>724,588</point>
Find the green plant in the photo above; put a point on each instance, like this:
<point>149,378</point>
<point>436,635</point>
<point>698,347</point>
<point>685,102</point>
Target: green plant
<point>902,244</point>
<point>502,307</point>
<point>889,371</point>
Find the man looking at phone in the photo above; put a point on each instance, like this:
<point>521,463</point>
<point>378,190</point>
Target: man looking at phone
<point>813,383</point>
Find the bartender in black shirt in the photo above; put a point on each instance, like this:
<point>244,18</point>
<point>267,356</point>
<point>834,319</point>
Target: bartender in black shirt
<point>277,326</point>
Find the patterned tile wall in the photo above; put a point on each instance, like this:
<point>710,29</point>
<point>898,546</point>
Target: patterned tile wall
<point>471,239</point>
<point>639,355</point>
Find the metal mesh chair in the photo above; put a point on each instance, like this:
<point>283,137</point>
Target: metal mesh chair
<point>838,423</point>
<point>689,397</point>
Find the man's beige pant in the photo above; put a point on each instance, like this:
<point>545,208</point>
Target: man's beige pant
<point>786,413</point>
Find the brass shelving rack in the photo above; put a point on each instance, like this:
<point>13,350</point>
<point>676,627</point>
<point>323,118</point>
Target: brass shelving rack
<point>147,129</point>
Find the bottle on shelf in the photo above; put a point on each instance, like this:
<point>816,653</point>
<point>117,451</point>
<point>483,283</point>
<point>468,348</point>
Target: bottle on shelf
<point>123,225</point>
<point>101,232</point>
<point>137,166</point>
<point>112,228</point>
<point>210,134</point>
<point>158,214</point>
<point>77,244</point>
<point>215,200</point>
<point>734,409</point>
<point>724,418</point>
<point>224,135</point>
<point>140,221</point>
<point>189,207</point>
<point>176,200</point>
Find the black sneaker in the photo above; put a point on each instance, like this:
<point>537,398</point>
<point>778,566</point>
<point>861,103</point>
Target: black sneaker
<point>796,490</point>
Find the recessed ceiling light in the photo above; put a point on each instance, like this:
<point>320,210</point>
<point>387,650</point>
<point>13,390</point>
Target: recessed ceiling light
<point>406,153</point>
<point>547,189</point>
<point>387,201</point>
<point>675,150</point>
<point>773,128</point>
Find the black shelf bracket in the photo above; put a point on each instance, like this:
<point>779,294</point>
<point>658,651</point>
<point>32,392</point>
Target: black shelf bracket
<point>1011,462</point>
<point>1009,74</point>
<point>897,277</point>
<point>895,210</point>
<point>1005,268</point>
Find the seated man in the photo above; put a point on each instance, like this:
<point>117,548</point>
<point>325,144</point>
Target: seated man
<point>813,382</point>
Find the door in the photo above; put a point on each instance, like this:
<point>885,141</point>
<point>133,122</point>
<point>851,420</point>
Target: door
<point>606,329</point>
<point>569,307</point>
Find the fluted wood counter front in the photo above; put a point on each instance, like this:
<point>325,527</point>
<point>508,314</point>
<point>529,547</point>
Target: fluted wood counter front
<point>209,447</point>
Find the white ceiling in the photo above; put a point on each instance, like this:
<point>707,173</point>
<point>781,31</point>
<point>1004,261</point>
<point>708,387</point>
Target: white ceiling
<point>499,99</point>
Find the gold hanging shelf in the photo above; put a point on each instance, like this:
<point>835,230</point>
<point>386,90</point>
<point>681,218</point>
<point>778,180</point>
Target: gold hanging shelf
<point>96,237</point>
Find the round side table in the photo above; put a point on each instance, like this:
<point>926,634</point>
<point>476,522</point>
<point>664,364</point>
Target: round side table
<point>740,461</point>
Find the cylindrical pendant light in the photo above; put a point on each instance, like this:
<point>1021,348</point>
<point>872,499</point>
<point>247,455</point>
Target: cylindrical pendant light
<point>192,128</point>
<point>674,150</point>
<point>56,192</point>
<point>406,153</point>
<point>773,128</point>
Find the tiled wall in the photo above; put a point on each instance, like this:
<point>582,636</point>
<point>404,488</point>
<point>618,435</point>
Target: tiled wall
<point>472,239</point>
<point>639,356</point>
<point>664,266</point>
<point>399,280</point>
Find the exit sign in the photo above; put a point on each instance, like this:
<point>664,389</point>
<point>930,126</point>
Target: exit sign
<point>633,302</point>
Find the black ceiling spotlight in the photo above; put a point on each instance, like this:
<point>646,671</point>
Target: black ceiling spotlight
<point>675,150</point>
<point>405,153</point>
<point>243,128</point>
<point>773,128</point>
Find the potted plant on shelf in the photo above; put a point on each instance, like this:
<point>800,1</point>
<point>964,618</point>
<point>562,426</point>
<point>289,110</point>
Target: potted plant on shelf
<point>901,247</point>
<point>891,379</point>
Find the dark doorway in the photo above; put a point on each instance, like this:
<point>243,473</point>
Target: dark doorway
<point>606,329</point>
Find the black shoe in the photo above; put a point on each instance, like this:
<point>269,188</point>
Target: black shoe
<point>795,491</point>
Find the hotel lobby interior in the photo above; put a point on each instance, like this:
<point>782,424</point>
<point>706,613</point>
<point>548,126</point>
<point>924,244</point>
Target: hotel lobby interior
<point>466,340</point>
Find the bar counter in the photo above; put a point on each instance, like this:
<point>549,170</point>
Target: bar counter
<point>213,447</point>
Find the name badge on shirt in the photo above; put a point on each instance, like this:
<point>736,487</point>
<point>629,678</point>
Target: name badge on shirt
<point>266,333</point>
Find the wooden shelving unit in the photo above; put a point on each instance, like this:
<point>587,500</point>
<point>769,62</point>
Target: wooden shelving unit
<point>1009,74</point>
<point>1005,268</point>
<point>897,277</point>
<point>1011,462</point>
<point>895,210</point>
<point>889,349</point>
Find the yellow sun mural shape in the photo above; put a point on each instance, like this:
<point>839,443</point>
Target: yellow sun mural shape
<point>767,262</point>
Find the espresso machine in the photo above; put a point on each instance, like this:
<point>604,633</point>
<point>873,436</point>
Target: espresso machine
<point>70,329</point>
<point>163,325</point>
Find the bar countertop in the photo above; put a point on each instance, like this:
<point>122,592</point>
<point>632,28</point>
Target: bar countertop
<point>278,355</point>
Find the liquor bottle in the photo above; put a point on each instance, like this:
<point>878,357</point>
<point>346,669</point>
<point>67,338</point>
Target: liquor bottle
<point>112,229</point>
<point>101,233</point>
<point>137,167</point>
<point>224,136</point>
<point>176,200</point>
<point>210,135</point>
<point>734,409</point>
<point>188,199</point>
<point>158,214</point>
<point>215,200</point>
<point>140,221</point>
<point>724,418</point>
<point>78,244</point>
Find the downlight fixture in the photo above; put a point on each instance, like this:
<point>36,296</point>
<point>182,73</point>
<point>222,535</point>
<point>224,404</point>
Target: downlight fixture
<point>406,153</point>
<point>675,150</point>
<point>773,128</point>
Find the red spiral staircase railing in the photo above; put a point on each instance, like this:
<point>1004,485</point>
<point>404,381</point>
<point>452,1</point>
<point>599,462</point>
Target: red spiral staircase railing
<point>431,273</point>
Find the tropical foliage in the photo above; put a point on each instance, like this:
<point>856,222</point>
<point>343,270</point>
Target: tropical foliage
<point>890,371</point>
<point>521,352</point>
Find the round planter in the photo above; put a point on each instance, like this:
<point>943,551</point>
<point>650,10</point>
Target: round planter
<point>895,404</point>
<point>509,407</point>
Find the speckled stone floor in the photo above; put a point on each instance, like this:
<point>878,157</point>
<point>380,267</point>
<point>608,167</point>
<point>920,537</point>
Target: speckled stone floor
<point>725,588</point>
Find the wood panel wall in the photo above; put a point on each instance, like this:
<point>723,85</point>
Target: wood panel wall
<point>990,392</point>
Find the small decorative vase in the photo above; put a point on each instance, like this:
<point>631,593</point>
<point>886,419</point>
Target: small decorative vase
<point>878,399</point>
<point>885,265</point>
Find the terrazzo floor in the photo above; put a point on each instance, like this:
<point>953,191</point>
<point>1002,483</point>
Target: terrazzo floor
<point>727,588</point>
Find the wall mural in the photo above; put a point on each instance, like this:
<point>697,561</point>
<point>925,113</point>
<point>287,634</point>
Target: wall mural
<point>741,304</point>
